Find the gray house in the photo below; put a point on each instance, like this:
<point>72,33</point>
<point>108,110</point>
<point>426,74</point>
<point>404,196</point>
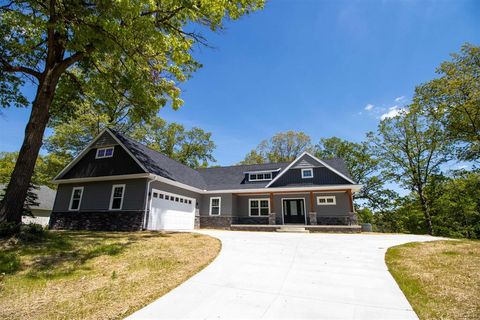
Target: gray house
<point>117,183</point>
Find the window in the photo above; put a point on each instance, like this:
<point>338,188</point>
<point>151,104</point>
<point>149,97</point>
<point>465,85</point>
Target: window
<point>307,173</point>
<point>326,200</point>
<point>215,204</point>
<point>76,198</point>
<point>264,176</point>
<point>259,207</point>
<point>104,153</point>
<point>116,200</point>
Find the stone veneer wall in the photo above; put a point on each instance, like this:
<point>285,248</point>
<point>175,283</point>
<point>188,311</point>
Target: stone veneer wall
<point>216,222</point>
<point>252,220</point>
<point>98,221</point>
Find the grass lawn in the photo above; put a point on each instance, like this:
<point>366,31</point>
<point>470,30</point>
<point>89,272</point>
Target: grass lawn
<point>441,279</point>
<point>96,275</point>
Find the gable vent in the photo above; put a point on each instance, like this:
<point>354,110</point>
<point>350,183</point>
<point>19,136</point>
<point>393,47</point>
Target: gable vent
<point>305,164</point>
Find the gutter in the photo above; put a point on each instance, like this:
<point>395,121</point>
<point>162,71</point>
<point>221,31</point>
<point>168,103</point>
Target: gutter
<point>147,191</point>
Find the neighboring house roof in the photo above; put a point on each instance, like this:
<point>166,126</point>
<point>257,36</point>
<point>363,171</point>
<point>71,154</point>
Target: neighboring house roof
<point>46,197</point>
<point>214,178</point>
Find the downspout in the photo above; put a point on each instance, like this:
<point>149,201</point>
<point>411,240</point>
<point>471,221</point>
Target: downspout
<point>147,191</point>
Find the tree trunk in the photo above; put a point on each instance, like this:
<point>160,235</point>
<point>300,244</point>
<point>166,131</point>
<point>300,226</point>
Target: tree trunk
<point>426,212</point>
<point>14,199</point>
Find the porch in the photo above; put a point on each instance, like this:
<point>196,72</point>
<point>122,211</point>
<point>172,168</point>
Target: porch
<point>310,228</point>
<point>312,207</point>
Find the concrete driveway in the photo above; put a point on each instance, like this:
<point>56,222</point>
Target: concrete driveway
<point>291,276</point>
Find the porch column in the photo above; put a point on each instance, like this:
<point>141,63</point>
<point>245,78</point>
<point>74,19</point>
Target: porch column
<point>272,216</point>
<point>312,214</point>
<point>352,216</point>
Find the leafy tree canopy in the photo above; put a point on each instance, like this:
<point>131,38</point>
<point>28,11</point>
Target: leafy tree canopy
<point>282,147</point>
<point>454,98</point>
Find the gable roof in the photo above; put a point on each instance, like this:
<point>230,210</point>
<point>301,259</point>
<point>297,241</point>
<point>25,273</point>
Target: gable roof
<point>211,179</point>
<point>338,162</point>
<point>161,165</point>
<point>45,197</point>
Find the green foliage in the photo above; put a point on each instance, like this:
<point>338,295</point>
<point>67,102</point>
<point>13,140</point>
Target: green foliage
<point>365,215</point>
<point>192,147</point>
<point>32,233</point>
<point>282,147</point>
<point>454,99</point>
<point>363,167</point>
<point>9,263</point>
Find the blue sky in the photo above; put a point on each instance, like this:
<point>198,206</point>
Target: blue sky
<point>311,66</point>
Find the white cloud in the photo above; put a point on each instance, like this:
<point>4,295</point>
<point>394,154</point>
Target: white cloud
<point>392,112</point>
<point>401,98</point>
<point>369,107</point>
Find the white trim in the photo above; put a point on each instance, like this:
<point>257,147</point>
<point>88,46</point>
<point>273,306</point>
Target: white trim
<point>219,206</point>
<point>71,199</point>
<point>121,200</point>
<point>256,174</point>
<point>104,178</point>
<point>307,169</point>
<point>315,158</point>
<point>128,151</point>
<point>304,208</point>
<point>327,203</point>
<point>259,207</point>
<point>178,184</point>
<point>105,149</point>
<point>262,171</point>
<point>332,188</point>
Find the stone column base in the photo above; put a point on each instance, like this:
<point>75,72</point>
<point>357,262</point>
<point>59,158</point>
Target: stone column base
<point>312,217</point>
<point>272,218</point>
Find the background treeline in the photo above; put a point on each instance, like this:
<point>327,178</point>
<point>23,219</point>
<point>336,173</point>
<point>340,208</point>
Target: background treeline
<point>414,149</point>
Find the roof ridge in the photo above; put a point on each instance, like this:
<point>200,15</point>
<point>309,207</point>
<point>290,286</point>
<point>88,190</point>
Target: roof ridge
<point>244,165</point>
<point>161,153</point>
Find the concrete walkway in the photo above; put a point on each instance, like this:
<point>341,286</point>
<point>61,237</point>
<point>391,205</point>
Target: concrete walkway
<point>291,276</point>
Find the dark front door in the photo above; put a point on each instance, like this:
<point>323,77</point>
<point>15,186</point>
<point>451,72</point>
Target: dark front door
<point>293,211</point>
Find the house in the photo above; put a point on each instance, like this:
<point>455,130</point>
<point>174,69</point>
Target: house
<point>116,183</point>
<point>42,209</point>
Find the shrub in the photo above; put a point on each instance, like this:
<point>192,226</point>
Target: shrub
<point>9,262</point>
<point>31,232</point>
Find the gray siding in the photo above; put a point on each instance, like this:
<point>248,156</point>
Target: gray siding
<point>105,140</point>
<point>96,195</point>
<point>226,207</point>
<point>88,166</point>
<point>321,175</point>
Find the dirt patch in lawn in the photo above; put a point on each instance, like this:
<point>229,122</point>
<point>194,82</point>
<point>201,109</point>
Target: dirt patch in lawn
<point>96,275</point>
<point>440,279</point>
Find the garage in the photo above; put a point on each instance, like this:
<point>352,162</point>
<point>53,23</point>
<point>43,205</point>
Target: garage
<point>170,211</point>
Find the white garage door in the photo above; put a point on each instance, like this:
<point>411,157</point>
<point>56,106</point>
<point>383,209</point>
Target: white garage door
<point>170,211</point>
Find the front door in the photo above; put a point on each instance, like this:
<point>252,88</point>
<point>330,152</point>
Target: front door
<point>293,211</point>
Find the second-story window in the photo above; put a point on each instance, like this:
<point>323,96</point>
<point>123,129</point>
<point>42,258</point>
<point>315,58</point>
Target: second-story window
<point>104,153</point>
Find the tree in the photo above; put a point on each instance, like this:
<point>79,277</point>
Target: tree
<point>192,147</point>
<point>136,50</point>
<point>456,205</point>
<point>454,98</point>
<point>412,146</point>
<point>282,147</point>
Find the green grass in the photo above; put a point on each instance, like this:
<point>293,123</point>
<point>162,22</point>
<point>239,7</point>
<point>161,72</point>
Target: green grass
<point>96,275</point>
<point>440,279</point>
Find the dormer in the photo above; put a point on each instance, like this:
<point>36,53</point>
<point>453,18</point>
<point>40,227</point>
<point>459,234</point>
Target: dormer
<point>263,175</point>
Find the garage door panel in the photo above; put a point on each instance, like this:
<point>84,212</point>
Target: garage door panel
<point>171,212</point>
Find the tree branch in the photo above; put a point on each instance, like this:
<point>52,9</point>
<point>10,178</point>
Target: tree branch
<point>7,67</point>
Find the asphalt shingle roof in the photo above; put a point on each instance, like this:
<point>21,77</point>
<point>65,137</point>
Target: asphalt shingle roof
<point>214,178</point>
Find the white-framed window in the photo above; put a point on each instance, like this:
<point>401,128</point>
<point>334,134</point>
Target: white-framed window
<point>258,207</point>
<point>260,176</point>
<point>307,173</point>
<point>76,199</point>
<point>116,199</point>
<point>326,200</point>
<point>104,153</point>
<point>215,206</point>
